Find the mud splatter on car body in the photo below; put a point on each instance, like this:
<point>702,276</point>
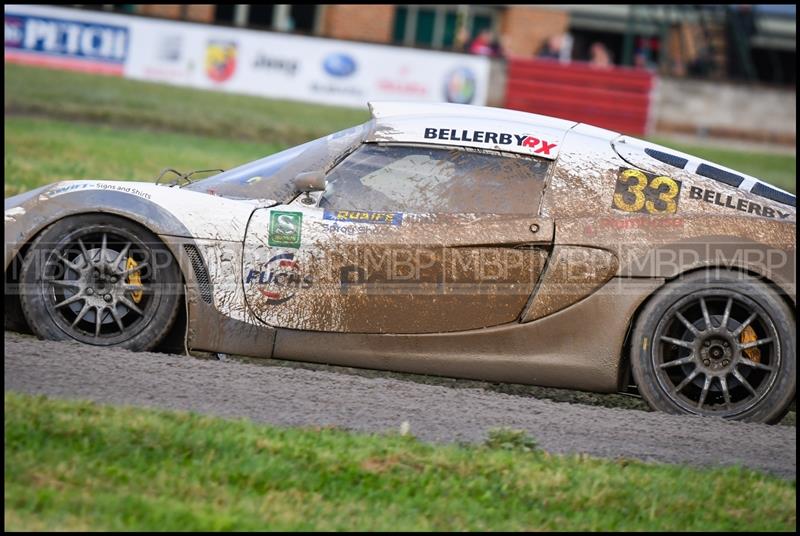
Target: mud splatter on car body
<point>543,296</point>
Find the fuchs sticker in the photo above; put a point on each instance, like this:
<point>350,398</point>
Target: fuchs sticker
<point>357,216</point>
<point>539,146</point>
<point>280,279</point>
<point>637,191</point>
<point>285,229</point>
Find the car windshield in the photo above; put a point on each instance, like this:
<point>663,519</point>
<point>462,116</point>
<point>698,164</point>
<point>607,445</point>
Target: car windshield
<point>271,177</point>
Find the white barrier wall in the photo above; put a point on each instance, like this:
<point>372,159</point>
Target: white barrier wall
<point>720,109</point>
<point>267,64</point>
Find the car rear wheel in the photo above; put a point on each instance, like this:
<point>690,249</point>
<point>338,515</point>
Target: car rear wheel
<point>102,280</point>
<point>716,343</point>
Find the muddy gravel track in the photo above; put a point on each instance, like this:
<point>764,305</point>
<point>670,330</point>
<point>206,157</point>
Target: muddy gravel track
<point>299,397</point>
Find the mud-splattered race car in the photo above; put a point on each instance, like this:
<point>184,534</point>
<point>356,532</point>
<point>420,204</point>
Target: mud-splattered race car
<point>438,239</point>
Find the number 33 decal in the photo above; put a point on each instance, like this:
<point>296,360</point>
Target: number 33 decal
<point>637,191</point>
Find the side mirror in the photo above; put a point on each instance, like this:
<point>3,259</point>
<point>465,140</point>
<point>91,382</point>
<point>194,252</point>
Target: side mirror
<point>309,181</point>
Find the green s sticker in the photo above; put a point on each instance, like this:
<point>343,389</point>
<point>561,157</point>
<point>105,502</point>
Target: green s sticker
<point>285,229</point>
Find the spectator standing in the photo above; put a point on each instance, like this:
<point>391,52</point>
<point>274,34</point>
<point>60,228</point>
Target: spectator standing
<point>599,56</point>
<point>461,42</point>
<point>565,54</point>
<point>557,47</point>
<point>643,57</point>
<point>551,48</point>
<point>499,46</point>
<point>485,44</point>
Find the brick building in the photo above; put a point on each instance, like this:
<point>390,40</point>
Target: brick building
<point>750,43</point>
<point>431,26</point>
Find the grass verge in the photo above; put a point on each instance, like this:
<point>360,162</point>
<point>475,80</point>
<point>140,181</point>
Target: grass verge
<point>81,466</point>
<point>134,104</point>
<point>39,151</point>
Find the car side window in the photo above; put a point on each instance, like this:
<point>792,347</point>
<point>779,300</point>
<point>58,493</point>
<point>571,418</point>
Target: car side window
<point>392,178</point>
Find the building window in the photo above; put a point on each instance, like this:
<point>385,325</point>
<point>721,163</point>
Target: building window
<point>400,15</point>
<point>304,17</point>
<point>450,28</point>
<point>117,8</point>
<point>437,26</point>
<point>261,15</point>
<point>480,23</point>
<point>279,17</point>
<point>425,21</point>
<point>224,13</point>
<point>123,8</point>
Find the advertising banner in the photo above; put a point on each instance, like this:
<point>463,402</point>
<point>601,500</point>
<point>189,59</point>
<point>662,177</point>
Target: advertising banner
<point>52,41</point>
<point>267,64</point>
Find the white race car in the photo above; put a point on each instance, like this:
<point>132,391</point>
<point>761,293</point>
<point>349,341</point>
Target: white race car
<point>440,239</point>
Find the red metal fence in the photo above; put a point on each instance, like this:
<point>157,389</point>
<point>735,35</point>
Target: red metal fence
<point>613,98</point>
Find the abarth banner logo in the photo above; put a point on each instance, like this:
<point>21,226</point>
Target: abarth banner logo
<point>498,138</point>
<point>280,279</point>
<point>220,60</point>
<point>285,229</point>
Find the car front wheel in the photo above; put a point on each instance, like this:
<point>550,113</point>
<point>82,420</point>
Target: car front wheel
<point>102,280</point>
<point>716,343</point>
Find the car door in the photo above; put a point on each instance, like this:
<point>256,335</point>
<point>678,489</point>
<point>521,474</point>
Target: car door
<point>404,239</point>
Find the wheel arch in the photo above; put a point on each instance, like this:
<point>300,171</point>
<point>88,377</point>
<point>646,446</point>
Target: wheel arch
<point>39,214</point>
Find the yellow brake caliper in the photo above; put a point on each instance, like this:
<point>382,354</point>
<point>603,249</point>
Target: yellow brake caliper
<point>136,279</point>
<point>749,335</point>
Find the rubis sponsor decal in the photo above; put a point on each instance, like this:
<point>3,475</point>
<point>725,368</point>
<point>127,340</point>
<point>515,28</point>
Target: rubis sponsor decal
<point>358,216</point>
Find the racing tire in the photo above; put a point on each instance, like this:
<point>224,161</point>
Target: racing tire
<point>100,279</point>
<point>716,343</point>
